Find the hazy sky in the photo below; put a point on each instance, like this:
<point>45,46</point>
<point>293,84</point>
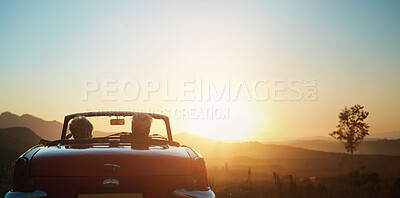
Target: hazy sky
<point>351,49</point>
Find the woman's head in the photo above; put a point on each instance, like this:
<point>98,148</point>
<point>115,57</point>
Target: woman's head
<point>81,128</point>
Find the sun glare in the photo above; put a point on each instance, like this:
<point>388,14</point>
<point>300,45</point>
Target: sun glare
<point>233,127</point>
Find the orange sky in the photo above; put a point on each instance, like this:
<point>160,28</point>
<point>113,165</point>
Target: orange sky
<point>49,51</point>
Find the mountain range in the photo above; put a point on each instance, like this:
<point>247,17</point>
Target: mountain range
<point>49,130</point>
<point>304,157</point>
<point>16,140</point>
<point>267,157</point>
<point>368,146</point>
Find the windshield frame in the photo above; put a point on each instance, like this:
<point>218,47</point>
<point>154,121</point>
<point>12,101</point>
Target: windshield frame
<point>114,113</point>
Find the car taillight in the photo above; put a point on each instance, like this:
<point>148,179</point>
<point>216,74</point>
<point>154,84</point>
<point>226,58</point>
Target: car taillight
<point>198,181</point>
<point>21,181</point>
<point>20,166</point>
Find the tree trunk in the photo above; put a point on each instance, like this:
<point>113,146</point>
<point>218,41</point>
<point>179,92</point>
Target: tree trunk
<point>352,167</point>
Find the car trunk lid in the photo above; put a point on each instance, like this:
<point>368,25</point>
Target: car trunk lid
<point>101,160</point>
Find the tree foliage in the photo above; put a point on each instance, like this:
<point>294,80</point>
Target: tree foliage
<point>351,128</point>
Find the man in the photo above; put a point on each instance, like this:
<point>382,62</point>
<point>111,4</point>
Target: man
<point>81,128</point>
<point>141,124</point>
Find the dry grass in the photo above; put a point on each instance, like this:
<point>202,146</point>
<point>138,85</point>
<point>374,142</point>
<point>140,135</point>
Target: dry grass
<point>235,183</point>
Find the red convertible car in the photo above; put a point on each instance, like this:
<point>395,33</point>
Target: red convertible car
<point>114,166</point>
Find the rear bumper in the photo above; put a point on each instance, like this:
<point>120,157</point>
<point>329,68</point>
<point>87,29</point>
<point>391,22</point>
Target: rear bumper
<point>195,193</point>
<point>36,193</point>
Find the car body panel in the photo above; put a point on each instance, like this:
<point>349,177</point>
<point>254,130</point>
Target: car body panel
<point>72,186</point>
<point>112,166</point>
<point>90,161</point>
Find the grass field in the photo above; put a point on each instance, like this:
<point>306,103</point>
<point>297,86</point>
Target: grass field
<point>6,172</point>
<point>355,184</point>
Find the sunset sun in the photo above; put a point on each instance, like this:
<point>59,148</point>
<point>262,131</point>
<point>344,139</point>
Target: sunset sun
<point>234,126</point>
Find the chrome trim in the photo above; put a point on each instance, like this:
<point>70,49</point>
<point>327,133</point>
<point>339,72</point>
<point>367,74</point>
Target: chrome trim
<point>36,193</point>
<point>112,167</point>
<point>110,183</point>
<point>195,193</point>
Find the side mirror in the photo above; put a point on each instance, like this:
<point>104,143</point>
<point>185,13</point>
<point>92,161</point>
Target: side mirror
<point>117,122</point>
<point>44,142</point>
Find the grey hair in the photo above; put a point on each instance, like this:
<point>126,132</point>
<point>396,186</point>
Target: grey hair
<point>141,123</point>
<point>81,128</point>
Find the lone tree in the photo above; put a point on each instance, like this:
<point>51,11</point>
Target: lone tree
<point>351,128</point>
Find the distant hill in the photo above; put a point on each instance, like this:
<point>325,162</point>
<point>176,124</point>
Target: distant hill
<point>385,135</point>
<point>268,158</point>
<point>368,146</point>
<point>49,130</point>
<point>16,140</point>
<point>7,155</point>
<point>212,148</point>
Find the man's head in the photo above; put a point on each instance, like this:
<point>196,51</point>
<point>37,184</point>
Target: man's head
<point>141,124</point>
<point>81,128</point>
